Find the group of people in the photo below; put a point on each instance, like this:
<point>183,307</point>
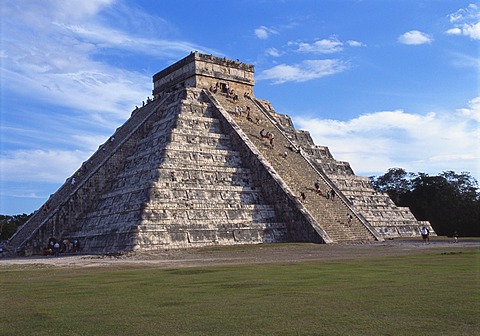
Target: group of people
<point>239,112</point>
<point>267,135</point>
<point>425,232</point>
<point>146,102</point>
<point>330,194</point>
<point>80,172</point>
<point>55,247</point>
<point>229,93</point>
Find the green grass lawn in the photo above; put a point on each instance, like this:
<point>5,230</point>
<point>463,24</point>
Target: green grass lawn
<point>425,294</point>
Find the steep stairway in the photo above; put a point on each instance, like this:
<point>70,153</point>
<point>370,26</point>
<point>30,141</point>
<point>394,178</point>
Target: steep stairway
<point>298,173</point>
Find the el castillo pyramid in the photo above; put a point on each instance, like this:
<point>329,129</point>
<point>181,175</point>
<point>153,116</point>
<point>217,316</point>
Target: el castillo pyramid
<point>191,168</point>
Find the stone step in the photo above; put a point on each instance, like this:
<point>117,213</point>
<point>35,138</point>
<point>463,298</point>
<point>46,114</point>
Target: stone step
<point>177,149</point>
<point>216,141</point>
<point>214,174</point>
<point>209,225</point>
<point>198,225</point>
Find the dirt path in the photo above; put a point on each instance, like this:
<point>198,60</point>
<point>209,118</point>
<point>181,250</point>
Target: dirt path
<point>240,255</point>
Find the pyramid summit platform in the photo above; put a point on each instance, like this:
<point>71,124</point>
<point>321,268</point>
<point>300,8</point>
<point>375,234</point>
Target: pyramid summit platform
<point>204,163</point>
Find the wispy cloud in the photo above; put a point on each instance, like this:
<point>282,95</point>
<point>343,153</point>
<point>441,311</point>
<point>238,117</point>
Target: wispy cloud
<point>304,71</point>
<point>353,43</point>
<point>415,37</point>
<point>64,64</point>
<point>466,21</point>
<point>308,69</point>
<point>40,165</point>
<point>274,52</point>
<point>374,142</point>
<point>473,110</point>
<point>70,55</point>
<point>324,46</point>
<point>465,60</point>
<point>264,32</point>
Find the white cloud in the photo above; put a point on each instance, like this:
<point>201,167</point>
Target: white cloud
<point>472,30</point>
<point>466,21</point>
<point>40,165</point>
<point>71,56</point>
<point>63,64</point>
<point>353,43</point>
<point>305,71</point>
<point>469,13</point>
<point>464,60</point>
<point>324,46</point>
<point>473,111</point>
<point>264,33</point>
<point>429,143</point>
<point>415,37</point>
<point>454,31</point>
<point>274,52</point>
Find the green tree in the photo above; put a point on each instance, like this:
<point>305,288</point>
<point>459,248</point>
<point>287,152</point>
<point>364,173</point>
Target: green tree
<point>395,182</point>
<point>433,199</point>
<point>9,224</point>
<point>449,201</point>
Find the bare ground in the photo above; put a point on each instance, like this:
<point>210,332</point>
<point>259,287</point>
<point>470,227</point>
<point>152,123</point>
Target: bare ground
<point>247,254</point>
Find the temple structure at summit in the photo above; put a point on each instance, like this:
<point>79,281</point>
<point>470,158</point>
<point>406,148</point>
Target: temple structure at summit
<point>206,162</point>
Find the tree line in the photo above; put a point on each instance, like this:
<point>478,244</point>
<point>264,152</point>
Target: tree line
<point>9,224</point>
<point>449,201</point>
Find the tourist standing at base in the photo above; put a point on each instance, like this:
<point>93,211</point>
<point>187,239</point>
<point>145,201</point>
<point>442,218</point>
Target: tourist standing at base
<point>56,248</point>
<point>425,235</point>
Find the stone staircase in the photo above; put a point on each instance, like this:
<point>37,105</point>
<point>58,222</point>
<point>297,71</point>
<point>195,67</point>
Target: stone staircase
<point>298,173</point>
<point>381,212</point>
<point>388,220</point>
<point>378,210</point>
<point>93,176</point>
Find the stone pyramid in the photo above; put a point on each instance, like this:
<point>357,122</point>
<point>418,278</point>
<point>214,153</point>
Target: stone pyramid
<point>190,169</point>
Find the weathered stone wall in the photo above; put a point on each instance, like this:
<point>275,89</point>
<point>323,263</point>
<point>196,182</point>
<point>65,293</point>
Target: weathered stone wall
<point>202,71</point>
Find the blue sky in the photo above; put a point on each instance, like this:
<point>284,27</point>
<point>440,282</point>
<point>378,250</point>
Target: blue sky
<point>382,83</point>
